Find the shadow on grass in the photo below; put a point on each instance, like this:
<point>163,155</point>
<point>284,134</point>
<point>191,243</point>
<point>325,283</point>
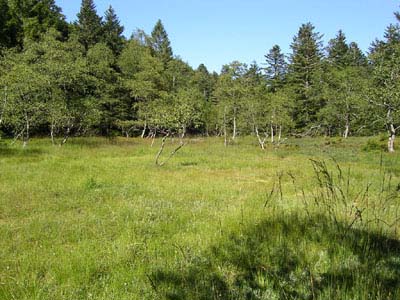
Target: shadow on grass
<point>288,258</point>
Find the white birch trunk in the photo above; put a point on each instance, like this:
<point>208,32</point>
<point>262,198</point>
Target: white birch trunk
<point>392,132</point>
<point>143,132</point>
<point>272,134</point>
<point>347,127</point>
<point>260,141</point>
<point>280,133</point>
<point>52,133</point>
<point>346,131</point>
<point>225,133</point>
<point>234,124</point>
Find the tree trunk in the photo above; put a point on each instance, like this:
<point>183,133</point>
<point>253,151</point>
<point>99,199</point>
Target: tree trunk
<point>260,141</point>
<point>280,133</point>
<point>52,133</point>
<point>392,136</point>
<point>26,135</point>
<point>272,134</point>
<point>392,131</point>
<point>347,128</point>
<point>346,131</point>
<point>225,133</point>
<point>153,137</point>
<point>234,124</point>
<point>4,106</point>
<point>66,136</point>
<point>144,130</point>
<point>181,144</point>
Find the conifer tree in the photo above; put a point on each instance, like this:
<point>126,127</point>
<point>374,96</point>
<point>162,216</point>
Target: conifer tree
<point>304,70</point>
<point>113,31</point>
<point>160,43</point>
<point>338,50</point>
<point>276,67</point>
<point>89,24</point>
<point>29,20</point>
<point>356,58</point>
<point>202,79</point>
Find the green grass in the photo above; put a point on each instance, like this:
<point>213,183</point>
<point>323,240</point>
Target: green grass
<point>97,219</point>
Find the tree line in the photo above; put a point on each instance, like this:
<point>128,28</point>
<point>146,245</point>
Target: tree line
<point>61,79</point>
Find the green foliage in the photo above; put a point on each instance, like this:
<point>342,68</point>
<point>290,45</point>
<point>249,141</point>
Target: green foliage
<point>375,144</point>
<point>5,34</point>
<point>26,94</point>
<point>276,67</point>
<point>346,107</point>
<point>160,43</point>
<point>304,74</point>
<point>98,82</point>
<point>29,20</point>
<point>89,24</point>
<point>338,50</point>
<point>142,71</point>
<point>113,32</point>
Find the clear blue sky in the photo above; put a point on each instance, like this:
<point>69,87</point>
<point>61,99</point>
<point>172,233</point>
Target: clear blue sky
<point>215,32</point>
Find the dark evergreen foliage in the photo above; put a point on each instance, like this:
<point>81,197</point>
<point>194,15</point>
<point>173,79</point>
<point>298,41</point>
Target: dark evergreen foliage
<point>160,42</point>
<point>89,24</point>
<point>338,50</point>
<point>276,67</point>
<point>113,31</point>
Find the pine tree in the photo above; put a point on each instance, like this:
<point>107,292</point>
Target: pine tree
<point>160,43</point>
<point>113,31</point>
<point>89,24</point>
<point>338,50</point>
<point>276,67</point>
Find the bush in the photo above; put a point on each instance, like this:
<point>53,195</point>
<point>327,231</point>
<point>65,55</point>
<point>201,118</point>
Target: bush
<point>375,144</point>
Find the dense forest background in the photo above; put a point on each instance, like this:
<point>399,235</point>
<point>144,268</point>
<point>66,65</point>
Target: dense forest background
<point>63,79</point>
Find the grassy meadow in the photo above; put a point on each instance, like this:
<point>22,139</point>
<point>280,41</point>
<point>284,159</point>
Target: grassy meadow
<point>97,219</point>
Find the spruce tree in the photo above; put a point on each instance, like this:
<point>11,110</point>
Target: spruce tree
<point>113,31</point>
<point>89,24</point>
<point>392,34</point>
<point>276,67</point>
<point>203,80</point>
<point>338,50</point>
<point>304,70</point>
<point>356,58</point>
<point>160,43</point>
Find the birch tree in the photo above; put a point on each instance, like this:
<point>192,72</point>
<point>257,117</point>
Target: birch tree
<point>229,93</point>
<point>346,99</point>
<point>26,93</point>
<point>385,95</point>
